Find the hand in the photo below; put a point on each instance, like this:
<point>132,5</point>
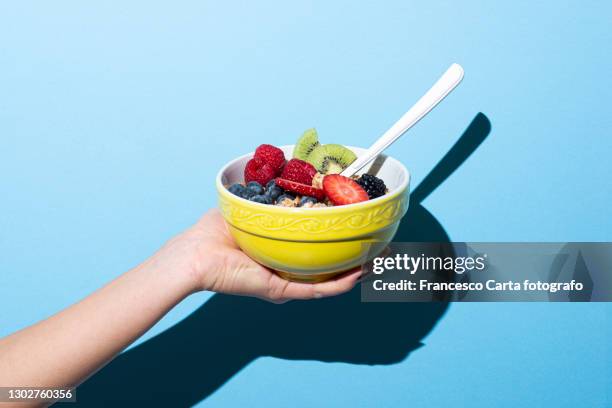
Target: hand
<point>210,258</point>
<point>98,327</point>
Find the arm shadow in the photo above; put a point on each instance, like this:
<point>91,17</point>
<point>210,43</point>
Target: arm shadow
<point>194,358</point>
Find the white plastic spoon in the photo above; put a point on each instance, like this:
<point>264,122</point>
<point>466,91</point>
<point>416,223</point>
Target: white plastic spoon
<point>436,93</point>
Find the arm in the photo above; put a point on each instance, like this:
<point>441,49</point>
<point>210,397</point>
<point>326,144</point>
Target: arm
<point>70,346</point>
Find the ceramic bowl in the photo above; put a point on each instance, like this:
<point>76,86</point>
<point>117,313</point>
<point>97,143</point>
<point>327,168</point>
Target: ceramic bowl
<point>315,244</point>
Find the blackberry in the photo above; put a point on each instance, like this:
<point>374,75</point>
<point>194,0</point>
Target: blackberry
<point>374,186</point>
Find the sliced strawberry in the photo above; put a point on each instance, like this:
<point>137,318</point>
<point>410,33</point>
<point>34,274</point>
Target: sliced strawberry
<point>259,171</point>
<point>342,190</point>
<point>271,155</point>
<point>300,188</point>
<point>299,171</point>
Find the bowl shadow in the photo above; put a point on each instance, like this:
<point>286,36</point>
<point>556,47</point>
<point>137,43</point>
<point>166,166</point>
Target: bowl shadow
<point>191,360</point>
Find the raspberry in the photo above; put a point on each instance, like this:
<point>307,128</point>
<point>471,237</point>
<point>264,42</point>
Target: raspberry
<point>271,155</point>
<point>259,171</point>
<point>299,171</point>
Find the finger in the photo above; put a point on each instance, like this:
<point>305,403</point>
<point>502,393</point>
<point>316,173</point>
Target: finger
<point>364,276</point>
<point>212,222</point>
<point>385,252</point>
<point>213,216</point>
<point>275,301</point>
<point>368,271</point>
<point>336,286</point>
<point>341,284</point>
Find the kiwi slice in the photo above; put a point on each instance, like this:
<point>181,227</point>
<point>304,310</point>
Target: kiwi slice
<point>331,158</point>
<point>306,144</point>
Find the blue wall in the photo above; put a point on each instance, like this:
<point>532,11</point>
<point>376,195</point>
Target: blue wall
<point>114,118</point>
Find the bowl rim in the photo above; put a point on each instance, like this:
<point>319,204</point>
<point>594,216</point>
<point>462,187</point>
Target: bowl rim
<point>298,210</point>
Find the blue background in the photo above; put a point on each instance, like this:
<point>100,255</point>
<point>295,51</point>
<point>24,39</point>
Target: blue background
<point>114,118</point>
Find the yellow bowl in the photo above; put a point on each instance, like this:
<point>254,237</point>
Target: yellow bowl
<point>314,244</point>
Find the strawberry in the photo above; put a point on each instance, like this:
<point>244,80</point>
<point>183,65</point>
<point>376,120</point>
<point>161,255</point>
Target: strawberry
<point>299,188</point>
<point>342,190</point>
<point>271,155</point>
<point>259,171</point>
<point>299,171</point>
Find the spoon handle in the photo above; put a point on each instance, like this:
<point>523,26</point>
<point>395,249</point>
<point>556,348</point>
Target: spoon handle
<point>447,82</point>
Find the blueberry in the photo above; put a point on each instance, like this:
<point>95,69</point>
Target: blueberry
<point>270,184</point>
<point>285,196</point>
<point>261,198</point>
<point>268,195</point>
<point>307,199</point>
<point>238,189</point>
<point>273,190</point>
<point>255,187</point>
<point>275,193</point>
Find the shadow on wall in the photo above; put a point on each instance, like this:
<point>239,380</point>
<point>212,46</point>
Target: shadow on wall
<point>194,358</point>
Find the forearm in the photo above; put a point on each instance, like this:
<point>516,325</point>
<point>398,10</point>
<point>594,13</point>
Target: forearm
<point>68,347</point>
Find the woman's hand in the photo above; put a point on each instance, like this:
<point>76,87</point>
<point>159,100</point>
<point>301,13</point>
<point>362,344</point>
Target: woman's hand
<point>208,256</point>
<point>98,327</point>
